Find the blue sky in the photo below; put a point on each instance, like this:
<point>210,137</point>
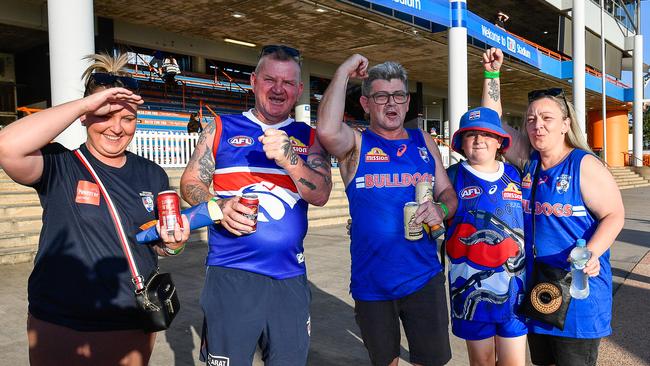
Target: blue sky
<point>645,31</point>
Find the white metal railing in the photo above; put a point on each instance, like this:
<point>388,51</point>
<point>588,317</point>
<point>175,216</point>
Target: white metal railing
<point>167,149</point>
<point>444,152</point>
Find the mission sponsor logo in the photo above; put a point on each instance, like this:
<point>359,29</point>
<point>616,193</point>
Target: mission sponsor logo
<point>527,182</point>
<point>298,146</point>
<point>241,141</point>
<point>470,192</point>
<point>512,192</point>
<point>377,155</point>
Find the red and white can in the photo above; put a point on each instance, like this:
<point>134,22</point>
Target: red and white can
<point>169,210</point>
<point>251,201</point>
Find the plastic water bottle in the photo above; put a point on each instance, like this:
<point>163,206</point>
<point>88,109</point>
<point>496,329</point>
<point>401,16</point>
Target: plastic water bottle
<point>579,280</point>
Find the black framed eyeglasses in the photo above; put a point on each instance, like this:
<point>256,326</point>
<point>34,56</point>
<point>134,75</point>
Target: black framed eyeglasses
<point>551,92</point>
<point>399,97</point>
<point>106,79</point>
<point>275,48</point>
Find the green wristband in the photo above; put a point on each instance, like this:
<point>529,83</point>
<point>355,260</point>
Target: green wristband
<point>173,252</point>
<point>445,209</point>
<point>491,74</point>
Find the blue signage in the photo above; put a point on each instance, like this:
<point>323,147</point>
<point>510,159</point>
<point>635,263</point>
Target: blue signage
<point>440,12</point>
<point>436,11</point>
<point>489,33</point>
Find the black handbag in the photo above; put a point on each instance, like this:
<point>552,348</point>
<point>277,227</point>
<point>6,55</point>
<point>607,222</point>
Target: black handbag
<point>548,298</point>
<point>159,302</point>
<point>156,297</point>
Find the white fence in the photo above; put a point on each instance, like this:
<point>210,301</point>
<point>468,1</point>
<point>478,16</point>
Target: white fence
<point>167,149</point>
<point>174,149</point>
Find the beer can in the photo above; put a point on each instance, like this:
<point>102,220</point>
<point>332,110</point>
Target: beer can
<point>412,231</point>
<point>169,210</point>
<point>424,191</point>
<point>250,200</point>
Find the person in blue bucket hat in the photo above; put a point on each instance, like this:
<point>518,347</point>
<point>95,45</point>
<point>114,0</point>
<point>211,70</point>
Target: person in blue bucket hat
<point>485,244</point>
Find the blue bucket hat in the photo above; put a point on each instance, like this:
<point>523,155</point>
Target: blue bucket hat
<point>480,119</point>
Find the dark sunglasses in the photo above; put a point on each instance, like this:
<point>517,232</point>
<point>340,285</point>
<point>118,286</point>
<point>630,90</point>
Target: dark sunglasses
<point>106,79</point>
<point>274,48</point>
<point>552,92</point>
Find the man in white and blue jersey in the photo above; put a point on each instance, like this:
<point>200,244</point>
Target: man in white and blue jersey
<point>256,291</point>
<point>392,278</point>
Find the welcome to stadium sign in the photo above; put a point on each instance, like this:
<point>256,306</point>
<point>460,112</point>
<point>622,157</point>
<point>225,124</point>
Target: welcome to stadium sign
<point>439,12</point>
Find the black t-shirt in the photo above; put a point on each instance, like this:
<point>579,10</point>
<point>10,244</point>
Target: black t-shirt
<point>81,278</point>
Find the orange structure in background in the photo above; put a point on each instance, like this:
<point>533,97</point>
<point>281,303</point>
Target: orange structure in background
<point>617,135</point>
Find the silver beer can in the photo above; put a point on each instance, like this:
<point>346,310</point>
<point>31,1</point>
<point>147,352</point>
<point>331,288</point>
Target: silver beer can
<point>412,231</point>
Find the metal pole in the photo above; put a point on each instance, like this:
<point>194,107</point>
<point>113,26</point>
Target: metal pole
<point>578,38</point>
<point>603,77</point>
<point>457,67</point>
<point>637,75</point>
<point>69,43</point>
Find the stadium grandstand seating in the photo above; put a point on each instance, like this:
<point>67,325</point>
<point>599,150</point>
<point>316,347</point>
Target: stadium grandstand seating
<point>168,107</point>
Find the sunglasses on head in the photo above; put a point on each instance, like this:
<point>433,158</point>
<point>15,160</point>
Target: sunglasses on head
<point>106,79</point>
<point>274,48</point>
<point>552,92</point>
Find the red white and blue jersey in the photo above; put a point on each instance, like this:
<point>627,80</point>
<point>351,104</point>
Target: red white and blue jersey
<point>386,266</point>
<point>241,166</point>
<point>561,218</point>
<point>485,244</point>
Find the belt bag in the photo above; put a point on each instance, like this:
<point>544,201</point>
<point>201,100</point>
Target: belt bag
<point>156,296</point>
<point>549,298</point>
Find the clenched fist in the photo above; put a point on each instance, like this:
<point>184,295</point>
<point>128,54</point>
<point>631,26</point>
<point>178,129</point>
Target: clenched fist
<point>277,146</point>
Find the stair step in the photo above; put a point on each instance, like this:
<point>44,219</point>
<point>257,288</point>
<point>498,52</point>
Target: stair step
<point>15,255</point>
<point>20,209</point>
<point>13,240</point>
<point>21,224</point>
<point>19,197</point>
<point>335,211</point>
<point>328,221</point>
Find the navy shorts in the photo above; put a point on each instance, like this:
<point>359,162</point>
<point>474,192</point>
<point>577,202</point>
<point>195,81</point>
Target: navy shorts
<point>562,351</point>
<point>472,330</point>
<point>243,310</point>
<point>424,316</point>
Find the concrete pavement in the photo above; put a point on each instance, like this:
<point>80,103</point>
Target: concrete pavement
<point>335,336</point>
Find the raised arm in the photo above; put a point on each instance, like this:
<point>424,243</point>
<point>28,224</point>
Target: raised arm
<point>603,198</point>
<point>313,177</point>
<point>491,98</point>
<point>337,137</point>
<point>21,141</point>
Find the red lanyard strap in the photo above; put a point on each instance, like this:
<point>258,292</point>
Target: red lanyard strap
<point>137,279</point>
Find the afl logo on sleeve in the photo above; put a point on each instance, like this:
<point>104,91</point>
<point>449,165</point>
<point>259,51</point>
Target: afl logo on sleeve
<point>87,193</point>
<point>241,141</point>
<point>377,155</point>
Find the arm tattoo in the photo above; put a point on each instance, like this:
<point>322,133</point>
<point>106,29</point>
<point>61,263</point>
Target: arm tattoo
<point>206,167</point>
<point>289,153</point>
<point>308,184</point>
<point>209,129</point>
<point>320,160</point>
<point>493,90</point>
<point>195,194</point>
